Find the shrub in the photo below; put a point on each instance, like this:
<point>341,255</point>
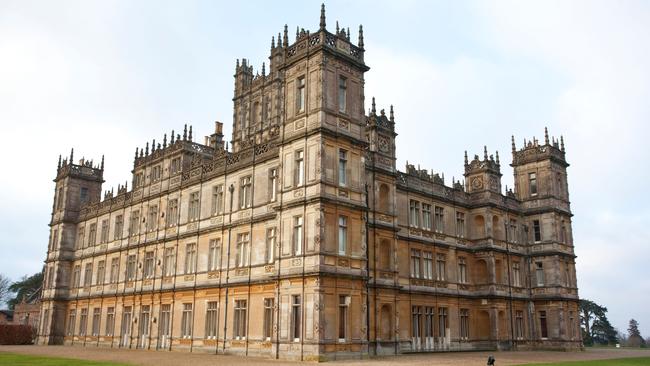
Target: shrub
<point>16,334</point>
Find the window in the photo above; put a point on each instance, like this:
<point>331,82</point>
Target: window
<point>537,231</point>
<point>441,267</point>
<point>429,320</point>
<point>80,237</point>
<point>416,317</point>
<point>193,210</point>
<point>101,272</point>
<point>134,223</point>
<point>300,95</point>
<point>214,254</point>
<point>464,324</point>
<point>342,93</point>
<point>126,324</point>
<point>442,322</point>
<point>119,227</point>
<point>415,263</point>
<point>268,319</point>
<point>344,303</point>
<point>343,235</point>
<point>239,320</point>
<point>255,112</point>
<point>76,274</point>
<point>59,199</point>
<point>343,164</point>
<point>241,258</point>
<point>542,324</point>
<point>130,267</point>
<point>567,274</point>
<point>103,238</point>
<point>270,245</point>
<point>295,318</point>
<point>83,195</point>
<point>519,324</point>
<point>110,321</point>
<point>138,180</point>
<point>169,260</point>
<point>190,258</point>
<point>148,264</point>
<point>426,216</point>
<point>175,166</point>
<point>415,213</point>
<point>273,184</point>
<point>299,168</point>
<point>115,270</point>
<point>92,234</point>
<point>532,182</point>
<point>72,320</point>
<point>439,219</point>
<point>172,212</point>
<point>156,173</point>
<point>245,192</point>
<point>54,241</point>
<point>152,220</point>
<point>571,325</point>
<point>211,320</point>
<point>460,224</point>
<point>427,265</point>
<point>186,321</point>
<point>516,274</point>
<point>83,322</point>
<point>217,199</point>
<point>562,232</point>
<point>165,322</point>
<point>97,313</point>
<point>512,231</point>
<point>297,235</point>
<point>462,270</point>
<point>145,315</point>
<point>539,270</point>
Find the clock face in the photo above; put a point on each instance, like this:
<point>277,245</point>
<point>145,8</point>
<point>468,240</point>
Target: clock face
<point>383,143</point>
<point>477,183</point>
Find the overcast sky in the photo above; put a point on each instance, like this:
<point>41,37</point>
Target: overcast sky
<point>105,77</point>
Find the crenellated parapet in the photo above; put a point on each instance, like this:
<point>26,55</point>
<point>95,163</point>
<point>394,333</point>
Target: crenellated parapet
<point>85,169</point>
<point>534,151</point>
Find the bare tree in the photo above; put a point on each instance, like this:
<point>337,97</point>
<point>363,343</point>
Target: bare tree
<point>4,288</point>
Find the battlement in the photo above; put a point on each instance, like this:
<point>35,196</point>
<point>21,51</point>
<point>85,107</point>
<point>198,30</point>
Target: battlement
<point>533,151</point>
<point>85,169</point>
<point>381,121</point>
<point>488,164</point>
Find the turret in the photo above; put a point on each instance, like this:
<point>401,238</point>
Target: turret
<point>483,174</point>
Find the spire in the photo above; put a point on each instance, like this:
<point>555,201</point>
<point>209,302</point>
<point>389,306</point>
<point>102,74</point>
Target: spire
<point>153,146</point>
<point>337,27</point>
<point>141,152</point>
<point>498,158</point>
<point>263,68</point>
<point>190,135</point>
<point>546,135</point>
<point>374,109</point>
<point>348,37</point>
<point>485,157</point>
<point>514,148</point>
<point>360,36</point>
<point>102,165</point>
<point>136,152</point>
<point>146,150</point>
<point>237,66</point>
<point>392,114</point>
<point>185,132</point>
<point>58,166</point>
<point>466,161</point>
<point>322,16</point>
<point>72,156</point>
<point>562,143</point>
<point>273,42</point>
<point>285,39</point>
<point>279,40</point>
<point>172,141</point>
<point>297,32</point>
<point>164,141</point>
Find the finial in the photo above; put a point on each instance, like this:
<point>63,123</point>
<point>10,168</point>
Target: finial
<point>297,32</point>
<point>173,135</point>
<point>164,141</point>
<point>102,165</point>
<point>272,42</point>
<point>285,40</point>
<point>141,153</point>
<point>185,132</point>
<point>382,112</point>
<point>466,161</point>
<point>485,156</point>
<point>546,135</point>
<point>514,148</point>
<point>158,148</point>
<point>237,65</point>
<point>153,146</point>
<point>360,36</point>
<point>498,158</point>
<point>146,150</point>
<point>263,68</point>
<point>279,40</point>
<point>392,114</point>
<point>178,137</point>
<point>337,27</point>
<point>562,143</point>
<point>190,135</point>
<point>58,166</point>
<point>374,109</point>
<point>322,16</point>
<point>136,152</point>
<point>72,156</point>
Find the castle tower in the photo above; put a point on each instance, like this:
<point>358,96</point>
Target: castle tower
<point>483,175</point>
<point>75,186</point>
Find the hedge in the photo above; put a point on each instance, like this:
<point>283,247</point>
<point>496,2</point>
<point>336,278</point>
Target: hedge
<point>17,334</point>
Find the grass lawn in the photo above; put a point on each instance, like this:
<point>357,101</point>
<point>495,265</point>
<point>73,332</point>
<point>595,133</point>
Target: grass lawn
<point>14,359</point>
<point>637,361</point>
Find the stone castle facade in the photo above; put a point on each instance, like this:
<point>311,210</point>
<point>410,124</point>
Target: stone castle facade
<point>303,240</point>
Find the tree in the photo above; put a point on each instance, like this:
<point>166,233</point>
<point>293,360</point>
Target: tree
<point>25,288</point>
<point>635,339</point>
<point>4,288</point>
<point>595,326</point>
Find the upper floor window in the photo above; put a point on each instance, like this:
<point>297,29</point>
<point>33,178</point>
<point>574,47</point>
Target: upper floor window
<point>343,235</point>
<point>460,224</point>
<point>88,275</point>
<point>172,212</point>
<point>119,227</point>
<point>532,181</point>
<point>343,89</point>
<point>156,173</point>
<point>439,219</point>
<point>299,168</point>
<point>415,263</point>
<point>190,258</point>
<point>76,275</point>
<point>270,244</point>
<point>539,271</point>
<point>115,270</point>
<point>130,267</point>
<point>59,199</point>
<point>194,209</point>
<point>516,274</point>
<point>214,255</point>
<point>175,166</point>
<point>441,267</point>
<point>297,235</point>
<point>462,270</point>
<point>148,264</point>
<point>217,199</point>
<point>92,234</point>
<point>83,195</point>
<point>300,95</point>
<point>415,213</point>
<point>138,180</point>
<point>103,238</point>
<point>245,192</point>
<point>537,231</point>
<point>134,223</point>
<point>426,216</point>
<point>512,231</point>
<point>343,164</point>
<point>169,262</point>
<point>152,220</point>
<point>273,184</point>
<point>563,235</point>
<point>80,237</point>
<point>241,258</point>
<point>427,265</point>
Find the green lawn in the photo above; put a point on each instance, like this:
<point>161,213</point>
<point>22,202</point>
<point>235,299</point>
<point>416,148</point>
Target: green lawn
<point>637,361</point>
<point>14,359</point>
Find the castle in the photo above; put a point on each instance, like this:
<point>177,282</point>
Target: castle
<point>303,240</point>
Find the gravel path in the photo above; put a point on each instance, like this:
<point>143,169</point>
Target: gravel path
<point>159,358</point>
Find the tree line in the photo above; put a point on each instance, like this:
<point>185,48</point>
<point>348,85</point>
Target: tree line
<point>597,330</point>
<point>12,293</point>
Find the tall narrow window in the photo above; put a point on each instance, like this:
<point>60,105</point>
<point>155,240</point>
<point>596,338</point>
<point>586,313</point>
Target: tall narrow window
<point>115,270</point>
<point>512,231</point>
<point>72,320</point>
<point>101,273</point>
<point>462,270</point>
<point>55,239</point>
<point>297,235</point>
<point>532,182</point>
<point>542,324</point>
<point>300,95</point>
<point>194,208</point>
<point>426,216</point>
<point>245,192</point>
<point>217,199</point>
<point>186,321</point>
<point>59,199</point>
<point>441,267</point>
<point>516,274</point>
<point>92,234</point>
<point>175,166</point>
<point>138,180</point>
<point>344,303</point>
<point>299,168</point>
<point>562,232</point>
<point>145,316</point>
<point>119,227</point>
<point>97,313</point>
<point>464,324</point>
<point>169,264</point>
<point>239,320</point>
<point>539,270</point>
<point>134,223</point>
<point>148,264</point>
<point>172,212</point>
<point>537,231</point>
<point>571,326</point>
<point>415,213</point>
<point>76,276</point>
<point>343,235</point>
<point>130,267</point>
<point>110,321</point>
<point>343,166</point>
<point>427,260</point>
<point>152,219</point>
<point>156,173</point>
<point>83,195</point>
<point>442,322</point>
<point>270,245</point>
<point>214,255</point>
<point>416,318</point>
<point>519,324</point>
<point>103,238</point>
<point>256,112</point>
<point>83,322</point>
<point>190,258</point>
<point>211,320</point>
<point>164,329</point>
<point>273,184</point>
<point>343,91</point>
<point>415,263</point>
<point>80,237</point>
<point>88,275</point>
<point>268,319</point>
<point>439,219</point>
<point>241,258</point>
<point>429,321</point>
<point>295,318</point>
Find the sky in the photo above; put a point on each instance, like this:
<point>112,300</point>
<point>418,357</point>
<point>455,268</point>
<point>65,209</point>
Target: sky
<point>105,77</point>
